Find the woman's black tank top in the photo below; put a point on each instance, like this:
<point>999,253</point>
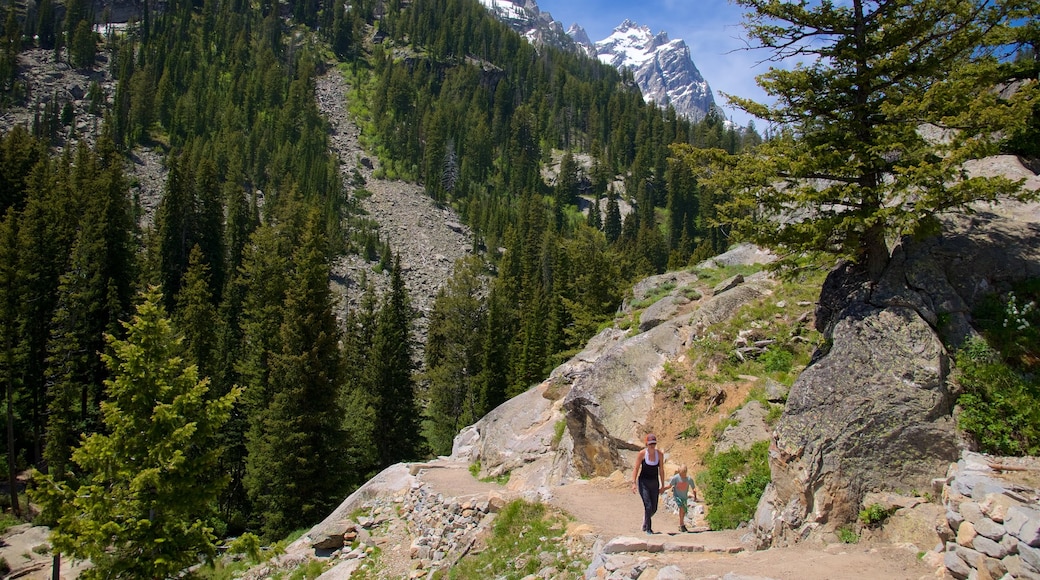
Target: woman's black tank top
<point>648,471</point>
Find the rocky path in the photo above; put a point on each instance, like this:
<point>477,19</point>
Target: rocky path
<point>429,238</point>
<point>605,510</point>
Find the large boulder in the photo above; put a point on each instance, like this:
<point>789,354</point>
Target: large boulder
<point>873,411</point>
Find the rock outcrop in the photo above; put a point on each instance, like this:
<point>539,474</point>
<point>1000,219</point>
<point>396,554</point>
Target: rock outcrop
<point>874,410</point>
<point>595,407</point>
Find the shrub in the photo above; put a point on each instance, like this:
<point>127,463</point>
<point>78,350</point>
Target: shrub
<point>874,515</point>
<point>998,404</point>
<point>733,484</point>
<point>847,535</point>
<point>777,360</point>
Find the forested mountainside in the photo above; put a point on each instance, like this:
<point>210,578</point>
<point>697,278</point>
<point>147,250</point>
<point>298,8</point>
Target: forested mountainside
<point>225,296</point>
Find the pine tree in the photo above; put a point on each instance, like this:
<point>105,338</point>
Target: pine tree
<point>612,223</point>
<point>176,220</point>
<point>196,316</point>
<point>9,294</point>
<point>93,295</point>
<point>388,376</point>
<point>299,443</point>
<point>454,350</point>
<point>145,489</point>
<point>494,378</point>
<point>854,163</point>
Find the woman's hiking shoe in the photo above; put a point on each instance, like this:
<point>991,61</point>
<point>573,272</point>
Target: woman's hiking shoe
<point>682,528</point>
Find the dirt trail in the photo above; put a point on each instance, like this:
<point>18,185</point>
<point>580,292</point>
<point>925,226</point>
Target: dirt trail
<point>606,509</point>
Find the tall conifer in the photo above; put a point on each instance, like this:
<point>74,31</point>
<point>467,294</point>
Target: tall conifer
<point>388,376</point>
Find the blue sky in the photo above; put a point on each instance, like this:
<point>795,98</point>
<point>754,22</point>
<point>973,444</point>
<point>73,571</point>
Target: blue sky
<point>711,28</point>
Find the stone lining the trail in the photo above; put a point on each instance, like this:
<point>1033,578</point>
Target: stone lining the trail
<point>993,508</point>
<point>442,530</point>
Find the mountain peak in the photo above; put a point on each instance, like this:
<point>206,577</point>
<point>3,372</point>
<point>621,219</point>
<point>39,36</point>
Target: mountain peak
<point>661,67</point>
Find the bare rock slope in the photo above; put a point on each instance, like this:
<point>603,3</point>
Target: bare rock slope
<point>429,238</point>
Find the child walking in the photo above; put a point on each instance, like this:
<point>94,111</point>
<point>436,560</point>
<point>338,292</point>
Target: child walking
<point>682,486</point>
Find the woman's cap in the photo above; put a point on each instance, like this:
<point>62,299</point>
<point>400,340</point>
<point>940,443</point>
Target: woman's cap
<point>651,439</point>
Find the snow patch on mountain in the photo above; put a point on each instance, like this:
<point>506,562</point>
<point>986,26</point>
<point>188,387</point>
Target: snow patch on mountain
<point>536,26</point>
<point>662,68</point>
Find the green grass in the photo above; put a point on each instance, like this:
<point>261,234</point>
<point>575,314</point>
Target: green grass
<point>474,470</point>
<point>774,317</point>
<point>733,483</point>
<point>654,295</point>
<point>558,430</point>
<point>525,539</point>
<point>8,520</point>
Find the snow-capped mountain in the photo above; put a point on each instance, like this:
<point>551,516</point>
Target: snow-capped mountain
<point>525,17</point>
<point>661,67</point>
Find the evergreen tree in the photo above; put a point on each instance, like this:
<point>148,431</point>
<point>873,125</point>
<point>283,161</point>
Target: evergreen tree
<point>299,443</point>
<point>388,376</point>
<point>196,316</point>
<point>567,181</point>
<point>853,163</point>
<point>360,422</point>
<point>454,350</point>
<point>612,222</point>
<point>9,294</point>
<point>93,295</point>
<point>146,487</point>
<point>494,378</point>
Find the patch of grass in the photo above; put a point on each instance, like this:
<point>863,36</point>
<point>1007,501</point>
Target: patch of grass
<point>526,538</point>
<point>691,432</point>
<point>696,391</point>
<point>474,470</point>
<point>733,483</point>
<point>653,296</point>
<point>780,317</point>
<point>691,293</point>
<point>777,360</point>
<point>712,276</point>
<point>8,520</point>
<point>723,425</point>
<point>311,570</point>
<point>558,430</point>
<point>848,535</point>
<point>774,414</point>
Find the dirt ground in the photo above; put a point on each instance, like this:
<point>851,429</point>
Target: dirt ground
<point>606,508</point>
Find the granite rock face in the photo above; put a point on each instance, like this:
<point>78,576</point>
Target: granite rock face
<point>873,411</point>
